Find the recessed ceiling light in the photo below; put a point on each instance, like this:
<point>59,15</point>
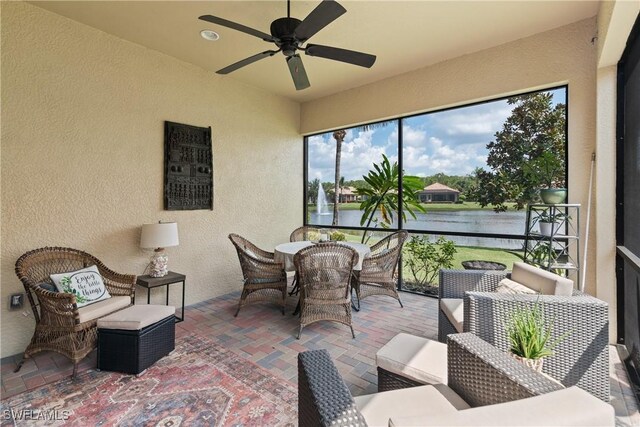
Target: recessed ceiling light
<point>209,35</point>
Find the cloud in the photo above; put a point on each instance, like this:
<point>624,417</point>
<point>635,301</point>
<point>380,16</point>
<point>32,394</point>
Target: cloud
<point>438,156</point>
<point>360,149</point>
<point>451,142</point>
<point>478,120</point>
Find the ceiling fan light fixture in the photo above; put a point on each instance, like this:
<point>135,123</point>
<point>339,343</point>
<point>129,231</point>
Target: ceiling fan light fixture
<point>209,35</point>
<point>290,34</point>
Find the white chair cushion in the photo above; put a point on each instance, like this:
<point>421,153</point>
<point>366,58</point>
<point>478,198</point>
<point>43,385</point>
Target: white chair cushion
<point>545,282</point>
<point>428,400</point>
<point>569,407</point>
<point>136,317</point>
<point>454,309</point>
<point>508,286</point>
<point>102,308</point>
<point>420,359</point>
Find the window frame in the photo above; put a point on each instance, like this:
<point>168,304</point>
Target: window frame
<point>400,124</point>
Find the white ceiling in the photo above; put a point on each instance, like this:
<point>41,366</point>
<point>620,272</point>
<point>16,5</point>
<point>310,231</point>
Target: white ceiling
<point>405,35</point>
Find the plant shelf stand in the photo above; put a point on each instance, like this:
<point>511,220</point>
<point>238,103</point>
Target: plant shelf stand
<point>559,250</point>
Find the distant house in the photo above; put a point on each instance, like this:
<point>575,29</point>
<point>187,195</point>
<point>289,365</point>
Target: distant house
<point>438,193</point>
<point>348,194</point>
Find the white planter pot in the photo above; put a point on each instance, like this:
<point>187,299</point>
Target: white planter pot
<point>535,364</point>
<point>549,228</point>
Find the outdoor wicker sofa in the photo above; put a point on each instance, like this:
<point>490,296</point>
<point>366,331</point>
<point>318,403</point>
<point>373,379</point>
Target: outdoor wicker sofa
<point>60,325</point>
<point>581,358</point>
<point>485,387</point>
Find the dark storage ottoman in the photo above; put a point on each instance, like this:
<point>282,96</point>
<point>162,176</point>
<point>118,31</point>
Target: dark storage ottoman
<point>135,338</point>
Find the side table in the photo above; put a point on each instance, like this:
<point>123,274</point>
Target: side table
<point>172,277</point>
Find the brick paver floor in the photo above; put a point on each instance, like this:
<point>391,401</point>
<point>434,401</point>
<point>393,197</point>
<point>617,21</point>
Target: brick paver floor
<point>263,335</point>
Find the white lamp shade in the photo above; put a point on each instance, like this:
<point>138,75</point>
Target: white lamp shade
<point>161,235</point>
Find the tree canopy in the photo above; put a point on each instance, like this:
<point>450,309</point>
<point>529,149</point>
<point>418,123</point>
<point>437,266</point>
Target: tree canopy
<point>531,137</point>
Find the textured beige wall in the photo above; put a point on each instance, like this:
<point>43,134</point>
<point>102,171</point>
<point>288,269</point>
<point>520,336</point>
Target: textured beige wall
<point>563,55</point>
<point>82,156</point>
<point>604,197</point>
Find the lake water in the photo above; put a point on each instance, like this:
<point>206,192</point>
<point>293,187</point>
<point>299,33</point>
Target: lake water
<point>470,221</point>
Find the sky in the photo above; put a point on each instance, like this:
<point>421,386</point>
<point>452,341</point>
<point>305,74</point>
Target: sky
<point>452,142</point>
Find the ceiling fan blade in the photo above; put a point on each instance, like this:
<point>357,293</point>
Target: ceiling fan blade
<point>343,55</point>
<point>324,14</point>
<point>300,79</point>
<point>247,61</point>
<point>238,27</point>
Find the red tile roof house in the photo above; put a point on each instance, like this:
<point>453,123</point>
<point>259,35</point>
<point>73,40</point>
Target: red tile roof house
<point>438,193</point>
<point>348,195</point>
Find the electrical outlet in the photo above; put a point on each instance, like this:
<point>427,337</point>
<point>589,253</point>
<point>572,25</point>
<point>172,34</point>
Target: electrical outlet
<point>16,301</point>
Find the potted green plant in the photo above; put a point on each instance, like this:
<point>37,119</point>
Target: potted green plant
<point>550,222</point>
<point>529,335</point>
<point>547,170</point>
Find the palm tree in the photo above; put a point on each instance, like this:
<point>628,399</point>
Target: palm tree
<point>339,137</point>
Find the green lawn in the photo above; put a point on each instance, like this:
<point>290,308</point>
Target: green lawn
<point>463,253</point>
<point>469,253</point>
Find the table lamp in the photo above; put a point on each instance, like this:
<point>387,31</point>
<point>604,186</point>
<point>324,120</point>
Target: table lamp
<point>159,236</point>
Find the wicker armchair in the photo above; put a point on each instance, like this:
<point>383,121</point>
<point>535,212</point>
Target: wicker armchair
<point>378,274</point>
<point>60,325</point>
<point>485,387</point>
<point>581,358</point>
<point>263,278</point>
<point>324,271</point>
<point>304,233</point>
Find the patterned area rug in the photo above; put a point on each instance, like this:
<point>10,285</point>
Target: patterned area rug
<point>198,384</point>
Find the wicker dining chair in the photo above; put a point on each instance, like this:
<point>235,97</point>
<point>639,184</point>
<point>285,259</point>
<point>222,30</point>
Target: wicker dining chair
<point>60,324</point>
<point>305,233</point>
<point>264,278</point>
<point>324,271</point>
<point>378,274</point>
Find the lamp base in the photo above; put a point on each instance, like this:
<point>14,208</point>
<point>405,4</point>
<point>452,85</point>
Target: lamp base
<point>159,263</point>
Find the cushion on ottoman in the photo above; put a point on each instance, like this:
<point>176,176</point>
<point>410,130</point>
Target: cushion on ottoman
<point>136,317</point>
<point>135,338</point>
<point>419,359</point>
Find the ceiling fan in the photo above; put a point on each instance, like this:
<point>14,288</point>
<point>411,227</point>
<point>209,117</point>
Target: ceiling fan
<point>289,34</point>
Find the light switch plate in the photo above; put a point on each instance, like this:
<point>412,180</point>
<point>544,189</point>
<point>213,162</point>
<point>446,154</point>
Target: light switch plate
<point>16,301</point>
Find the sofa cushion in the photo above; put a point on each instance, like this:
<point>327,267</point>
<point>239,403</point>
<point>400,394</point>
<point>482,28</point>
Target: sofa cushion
<point>428,400</point>
<point>453,308</point>
<point>86,284</point>
<point>545,282</point>
<point>136,317</point>
<point>570,407</point>
<point>420,359</point>
<point>508,286</point>
<point>102,308</point>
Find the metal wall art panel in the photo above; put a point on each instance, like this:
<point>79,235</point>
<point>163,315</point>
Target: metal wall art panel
<point>188,167</point>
